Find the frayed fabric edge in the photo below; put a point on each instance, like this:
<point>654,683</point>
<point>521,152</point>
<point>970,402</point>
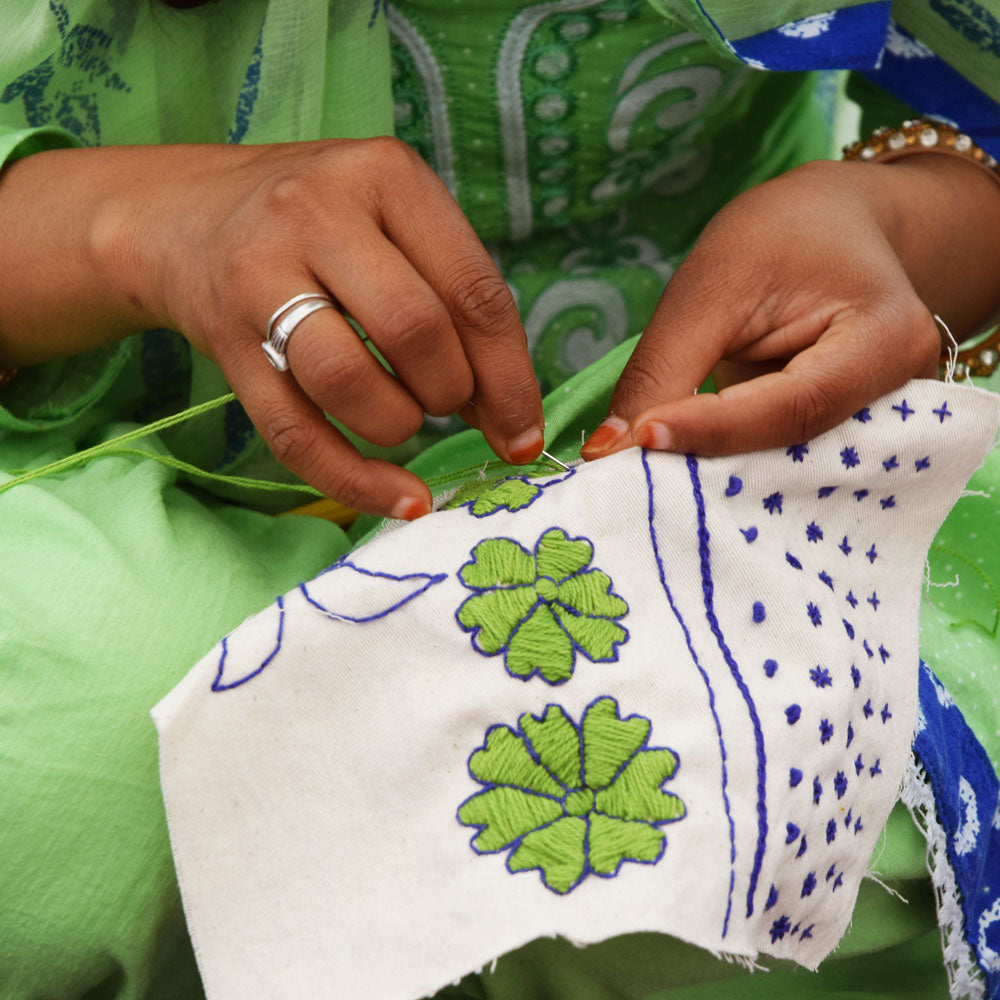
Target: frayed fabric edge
<point>965,980</point>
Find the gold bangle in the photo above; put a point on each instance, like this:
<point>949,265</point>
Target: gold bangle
<point>921,135</point>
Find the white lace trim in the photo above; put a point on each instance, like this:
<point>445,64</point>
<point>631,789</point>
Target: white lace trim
<point>965,979</point>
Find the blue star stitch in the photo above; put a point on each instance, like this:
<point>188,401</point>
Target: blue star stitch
<point>904,410</point>
<point>849,456</point>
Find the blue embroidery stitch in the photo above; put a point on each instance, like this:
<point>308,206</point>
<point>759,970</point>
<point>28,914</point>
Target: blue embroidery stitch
<point>891,463</point>
<point>845,546</point>
<point>857,826</point>
<point>883,652</point>
<point>873,600</point>
<point>708,588</point>
<point>825,491</point>
<point>889,501</point>
<point>426,581</point>
<point>867,709</point>
<point>820,676</point>
<point>826,578</point>
<point>851,599</point>
<point>651,513</point>
<point>791,833</point>
<point>876,768</point>
<point>840,784</point>
<point>943,412</point>
<point>817,790</point>
<point>759,612</point>
<point>807,933</point>
<point>825,730</point>
<point>734,487</point>
<point>903,410</point>
<point>772,898</point>
<point>808,884</point>
<point>217,684</point>
<point>855,676</point>
<point>814,614</point>
<point>859,495</point>
<point>849,456</point>
<point>847,824</point>
<point>850,736</point>
<point>792,714</point>
<point>798,452</point>
<point>922,463</point>
<point>803,847</point>
<point>780,928</point>
<point>886,714</point>
<point>848,628</point>
<point>792,561</point>
<point>859,765</point>
<point>814,533</point>
<point>770,667</point>
<point>794,777</point>
<point>838,882</point>
<point>867,649</point>
<point>863,415</point>
<point>772,503</point>
<point>872,554</point>
<point>831,831</point>
<point>750,534</point>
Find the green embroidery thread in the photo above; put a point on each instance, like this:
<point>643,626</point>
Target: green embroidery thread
<point>539,608</point>
<point>487,497</point>
<point>571,801</point>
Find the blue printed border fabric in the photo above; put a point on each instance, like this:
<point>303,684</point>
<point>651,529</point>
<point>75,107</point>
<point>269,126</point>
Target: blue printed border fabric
<point>967,797</point>
<point>866,38</point>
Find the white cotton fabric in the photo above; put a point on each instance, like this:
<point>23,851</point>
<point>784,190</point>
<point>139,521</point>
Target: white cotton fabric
<point>312,807</point>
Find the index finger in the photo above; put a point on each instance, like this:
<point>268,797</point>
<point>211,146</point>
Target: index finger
<point>427,225</point>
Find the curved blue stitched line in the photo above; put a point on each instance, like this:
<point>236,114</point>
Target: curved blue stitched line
<point>218,686</point>
<point>708,685</point>
<point>708,588</point>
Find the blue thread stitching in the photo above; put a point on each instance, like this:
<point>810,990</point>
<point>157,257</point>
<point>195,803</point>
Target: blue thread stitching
<point>849,457</point>
<point>792,561</point>
<point>943,412</point>
<point>773,502</point>
<point>922,463</point>
<point>891,463</point>
<point>513,846</point>
<point>863,415</point>
<point>734,487</point>
<point>430,580</point>
<point>708,685</point>
<point>820,676</point>
<point>904,410</point>
<point>845,546</point>
<point>750,534</point>
<point>826,578</point>
<point>708,588</point>
<point>814,533</point>
<point>798,452</point>
<point>825,491</point>
<point>218,686</point>
<point>851,599</point>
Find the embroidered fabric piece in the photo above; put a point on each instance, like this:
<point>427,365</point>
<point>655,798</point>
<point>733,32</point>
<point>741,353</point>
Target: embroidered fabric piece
<point>788,733</point>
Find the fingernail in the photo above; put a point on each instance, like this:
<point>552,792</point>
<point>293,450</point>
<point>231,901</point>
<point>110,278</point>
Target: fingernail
<point>410,508</point>
<point>526,446</point>
<point>654,435</point>
<point>604,438</point>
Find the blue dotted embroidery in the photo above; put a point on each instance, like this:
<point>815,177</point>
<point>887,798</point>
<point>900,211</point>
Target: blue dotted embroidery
<point>883,652</point>
<point>851,599</point>
<point>859,495</point>
<point>820,676</point>
<point>867,709</point>
<point>840,784</point>
<point>770,667</point>
<point>217,684</point>
<point>830,872</point>
<point>849,456</point>
<point>867,649</point>
<point>903,410</point>
<point>859,765</point>
<point>794,777</point>
<point>792,714</point>
<point>817,790</point>
<point>848,628</point>
<point>876,768</point>
<point>885,713</point>
<point>874,600</point>
<point>791,833</point>
<point>845,546</point>
<point>780,928</point>
<point>807,933</point>
<point>808,884</point>
<point>825,491</point>
<point>825,731</point>
<point>891,463</point>
<point>814,616</point>
<point>942,412</point>
<point>831,831</point>
<point>855,676</point>
<point>847,825</point>
<point>772,898</point>
<point>750,534</point>
<point>838,882</point>
<point>887,502</point>
<point>857,826</point>
<point>826,578</point>
<point>922,463</point>
<point>872,554</point>
<point>792,561</point>
<point>863,415</point>
<point>850,737</point>
<point>803,847</point>
<point>772,503</point>
<point>759,612</point>
<point>798,452</point>
<point>421,583</point>
<point>734,487</point>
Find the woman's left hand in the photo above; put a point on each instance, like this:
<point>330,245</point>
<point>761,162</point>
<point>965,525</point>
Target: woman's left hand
<point>810,296</point>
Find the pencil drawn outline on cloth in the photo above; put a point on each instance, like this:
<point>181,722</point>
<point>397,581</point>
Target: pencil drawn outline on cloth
<point>571,800</point>
<point>540,608</point>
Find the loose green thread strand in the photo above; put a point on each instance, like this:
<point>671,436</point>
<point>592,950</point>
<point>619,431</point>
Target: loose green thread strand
<point>114,447</point>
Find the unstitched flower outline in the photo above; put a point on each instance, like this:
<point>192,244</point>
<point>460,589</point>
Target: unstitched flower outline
<point>539,608</point>
<point>572,800</point>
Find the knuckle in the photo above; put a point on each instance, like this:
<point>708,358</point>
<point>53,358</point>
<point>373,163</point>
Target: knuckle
<point>350,485</point>
<point>813,407</point>
<point>290,438</point>
<point>339,373</point>
<point>480,297</point>
<point>408,326</point>
<point>289,195</point>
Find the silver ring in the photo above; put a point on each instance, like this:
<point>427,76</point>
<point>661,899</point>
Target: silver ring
<point>295,310</point>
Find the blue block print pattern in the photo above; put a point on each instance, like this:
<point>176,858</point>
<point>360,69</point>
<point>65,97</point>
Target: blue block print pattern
<point>966,793</point>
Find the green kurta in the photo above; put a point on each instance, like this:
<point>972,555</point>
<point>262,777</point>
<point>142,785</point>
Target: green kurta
<point>588,141</point>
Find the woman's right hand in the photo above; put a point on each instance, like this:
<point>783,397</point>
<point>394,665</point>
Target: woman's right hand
<point>211,240</point>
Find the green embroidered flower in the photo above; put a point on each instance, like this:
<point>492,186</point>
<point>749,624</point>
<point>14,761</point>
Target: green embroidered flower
<point>572,800</point>
<point>539,608</point>
<point>486,496</point>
